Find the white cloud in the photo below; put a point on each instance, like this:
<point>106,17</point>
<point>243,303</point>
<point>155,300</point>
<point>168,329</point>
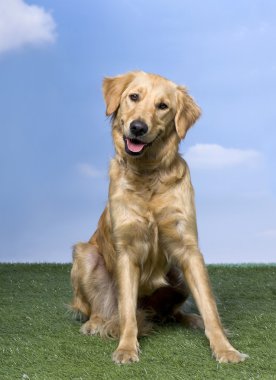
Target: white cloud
<point>245,31</point>
<point>213,156</point>
<point>23,24</point>
<point>89,171</point>
<point>271,233</point>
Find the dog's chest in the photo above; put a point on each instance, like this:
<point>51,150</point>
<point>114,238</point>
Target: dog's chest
<point>153,257</point>
<point>153,261</point>
<point>148,219</point>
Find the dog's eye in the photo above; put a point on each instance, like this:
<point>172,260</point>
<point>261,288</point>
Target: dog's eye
<point>134,97</point>
<point>162,106</point>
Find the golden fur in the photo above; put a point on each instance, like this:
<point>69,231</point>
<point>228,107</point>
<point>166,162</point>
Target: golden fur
<point>145,249</point>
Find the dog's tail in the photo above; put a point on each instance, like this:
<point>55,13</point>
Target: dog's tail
<point>79,310</point>
<point>111,328</point>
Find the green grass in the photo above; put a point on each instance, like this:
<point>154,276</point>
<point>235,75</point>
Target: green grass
<point>40,340</point>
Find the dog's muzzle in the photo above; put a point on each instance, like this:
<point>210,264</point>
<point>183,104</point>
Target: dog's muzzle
<point>134,147</point>
<point>138,128</point>
<point>134,144</point>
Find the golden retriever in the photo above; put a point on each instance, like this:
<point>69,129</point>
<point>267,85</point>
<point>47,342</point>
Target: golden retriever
<point>145,249</point>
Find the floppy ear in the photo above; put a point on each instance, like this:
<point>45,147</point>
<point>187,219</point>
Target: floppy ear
<point>113,89</point>
<point>187,112</point>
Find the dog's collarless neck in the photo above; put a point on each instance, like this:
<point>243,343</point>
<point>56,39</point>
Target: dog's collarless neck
<point>164,173</point>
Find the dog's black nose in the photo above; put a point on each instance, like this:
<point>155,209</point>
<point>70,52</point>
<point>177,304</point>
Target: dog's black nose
<point>138,128</point>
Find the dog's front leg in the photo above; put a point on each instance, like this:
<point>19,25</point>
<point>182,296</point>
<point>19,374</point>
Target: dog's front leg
<point>196,276</point>
<point>127,280</point>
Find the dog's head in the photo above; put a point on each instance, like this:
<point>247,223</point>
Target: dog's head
<point>147,109</point>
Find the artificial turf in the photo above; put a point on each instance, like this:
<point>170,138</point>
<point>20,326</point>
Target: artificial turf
<point>40,340</point>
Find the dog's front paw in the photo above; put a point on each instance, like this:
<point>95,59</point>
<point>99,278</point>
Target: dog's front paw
<point>123,356</point>
<point>229,356</point>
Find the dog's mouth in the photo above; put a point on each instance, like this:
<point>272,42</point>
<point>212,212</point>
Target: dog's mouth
<point>134,147</point>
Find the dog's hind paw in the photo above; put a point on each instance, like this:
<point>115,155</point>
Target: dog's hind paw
<point>92,326</point>
<point>88,329</point>
<point>189,320</point>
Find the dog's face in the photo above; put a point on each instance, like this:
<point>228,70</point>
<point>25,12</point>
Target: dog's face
<point>147,109</point>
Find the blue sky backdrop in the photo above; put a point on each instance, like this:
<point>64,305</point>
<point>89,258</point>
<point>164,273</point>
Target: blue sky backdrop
<point>55,137</point>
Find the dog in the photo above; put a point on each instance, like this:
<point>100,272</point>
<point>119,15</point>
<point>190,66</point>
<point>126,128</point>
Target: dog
<point>144,259</point>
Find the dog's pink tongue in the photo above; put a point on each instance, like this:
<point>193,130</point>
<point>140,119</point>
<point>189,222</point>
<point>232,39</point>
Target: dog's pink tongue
<point>135,148</point>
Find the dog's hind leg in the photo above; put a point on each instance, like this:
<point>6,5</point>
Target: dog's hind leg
<point>189,320</point>
<point>80,304</point>
<point>94,292</point>
<point>166,303</point>
<point>87,271</point>
<point>177,282</point>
